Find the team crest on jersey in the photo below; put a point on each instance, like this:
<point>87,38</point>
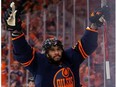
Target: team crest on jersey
<point>64,78</point>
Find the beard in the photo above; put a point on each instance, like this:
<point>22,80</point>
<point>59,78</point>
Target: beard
<point>57,59</point>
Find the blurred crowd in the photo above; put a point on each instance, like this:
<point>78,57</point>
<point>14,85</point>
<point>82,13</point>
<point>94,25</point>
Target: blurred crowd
<point>43,19</point>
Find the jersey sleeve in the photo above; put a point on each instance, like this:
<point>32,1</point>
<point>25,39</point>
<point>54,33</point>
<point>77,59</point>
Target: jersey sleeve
<point>88,43</point>
<point>23,52</point>
<point>84,47</point>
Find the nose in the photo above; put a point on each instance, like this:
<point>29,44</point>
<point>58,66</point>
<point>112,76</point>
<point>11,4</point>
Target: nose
<point>56,52</point>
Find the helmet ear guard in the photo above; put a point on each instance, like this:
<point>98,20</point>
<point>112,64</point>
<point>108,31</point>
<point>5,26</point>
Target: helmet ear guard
<point>48,43</point>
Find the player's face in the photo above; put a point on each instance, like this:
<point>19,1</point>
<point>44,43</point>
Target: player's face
<point>31,84</point>
<point>55,53</point>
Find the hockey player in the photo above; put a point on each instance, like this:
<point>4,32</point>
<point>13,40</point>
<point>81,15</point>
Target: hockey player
<point>56,67</point>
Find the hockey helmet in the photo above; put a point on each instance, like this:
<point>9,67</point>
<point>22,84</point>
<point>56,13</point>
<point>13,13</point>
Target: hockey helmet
<point>48,43</point>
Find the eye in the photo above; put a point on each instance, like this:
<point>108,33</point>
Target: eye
<point>52,49</point>
<point>59,49</point>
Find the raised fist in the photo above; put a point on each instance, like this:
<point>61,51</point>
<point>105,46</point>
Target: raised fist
<point>12,18</point>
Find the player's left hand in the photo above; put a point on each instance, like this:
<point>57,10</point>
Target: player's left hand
<point>100,16</point>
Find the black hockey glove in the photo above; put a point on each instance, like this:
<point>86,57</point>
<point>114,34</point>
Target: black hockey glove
<point>12,18</point>
<point>99,16</point>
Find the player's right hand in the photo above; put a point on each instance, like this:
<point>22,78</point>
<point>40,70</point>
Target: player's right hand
<point>12,18</point>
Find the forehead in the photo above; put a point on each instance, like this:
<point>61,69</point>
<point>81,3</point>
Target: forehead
<point>55,47</point>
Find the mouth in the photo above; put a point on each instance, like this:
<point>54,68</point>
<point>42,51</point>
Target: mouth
<point>57,57</point>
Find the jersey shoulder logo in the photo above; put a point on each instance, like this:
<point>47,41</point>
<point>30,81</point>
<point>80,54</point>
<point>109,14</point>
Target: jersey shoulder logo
<point>64,78</point>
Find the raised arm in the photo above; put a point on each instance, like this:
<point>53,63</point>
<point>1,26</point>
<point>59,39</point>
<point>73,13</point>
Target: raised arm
<point>21,49</point>
<point>88,43</point>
